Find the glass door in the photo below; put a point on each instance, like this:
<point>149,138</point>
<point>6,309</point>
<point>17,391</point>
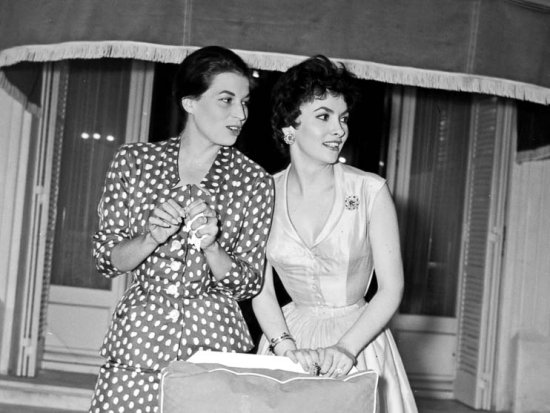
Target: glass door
<point>93,111</point>
<point>429,180</point>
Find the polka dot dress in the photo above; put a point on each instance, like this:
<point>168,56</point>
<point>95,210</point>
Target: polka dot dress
<point>175,306</point>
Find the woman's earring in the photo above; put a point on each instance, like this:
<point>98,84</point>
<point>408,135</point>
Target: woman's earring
<point>288,136</point>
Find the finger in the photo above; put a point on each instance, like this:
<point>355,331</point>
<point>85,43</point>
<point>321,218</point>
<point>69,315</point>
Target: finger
<point>209,212</point>
<point>195,202</point>
<point>326,363</point>
<point>339,363</point>
<point>158,222</point>
<point>313,363</point>
<point>316,361</point>
<point>198,222</point>
<point>332,371</point>
<point>194,208</point>
<point>342,369</point>
<point>315,358</point>
<point>206,221</point>
<point>320,355</point>
<point>180,211</point>
<point>172,212</point>
<point>165,216</point>
<point>303,361</point>
<point>208,230</point>
<point>290,354</point>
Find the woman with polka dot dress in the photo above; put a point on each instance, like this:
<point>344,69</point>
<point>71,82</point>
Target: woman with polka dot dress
<point>189,217</point>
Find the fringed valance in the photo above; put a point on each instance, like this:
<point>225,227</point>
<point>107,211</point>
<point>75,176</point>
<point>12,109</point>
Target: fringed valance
<point>486,46</point>
<point>402,75</point>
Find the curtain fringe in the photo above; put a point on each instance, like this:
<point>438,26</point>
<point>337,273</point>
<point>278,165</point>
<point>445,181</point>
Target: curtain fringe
<point>408,76</point>
<point>95,50</point>
<point>19,96</point>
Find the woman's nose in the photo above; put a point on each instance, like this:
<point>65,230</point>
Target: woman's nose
<point>339,130</point>
<point>240,112</point>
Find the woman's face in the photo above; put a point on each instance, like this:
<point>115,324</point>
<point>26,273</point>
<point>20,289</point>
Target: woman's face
<point>322,130</point>
<point>219,114</point>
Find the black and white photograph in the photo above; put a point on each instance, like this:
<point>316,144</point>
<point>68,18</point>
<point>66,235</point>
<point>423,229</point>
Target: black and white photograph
<point>255,206</point>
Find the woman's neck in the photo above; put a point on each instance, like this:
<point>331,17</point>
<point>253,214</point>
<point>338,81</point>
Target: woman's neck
<point>309,178</point>
<point>195,158</point>
<point>196,151</point>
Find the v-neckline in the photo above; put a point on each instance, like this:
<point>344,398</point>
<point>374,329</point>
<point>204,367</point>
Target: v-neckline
<point>332,217</point>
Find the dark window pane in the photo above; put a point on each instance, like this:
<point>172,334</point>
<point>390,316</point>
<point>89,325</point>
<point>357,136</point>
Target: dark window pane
<point>93,113</point>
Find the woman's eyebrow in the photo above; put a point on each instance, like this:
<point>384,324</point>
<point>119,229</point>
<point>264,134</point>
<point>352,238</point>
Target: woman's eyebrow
<point>324,108</point>
<point>330,110</point>
<point>228,92</point>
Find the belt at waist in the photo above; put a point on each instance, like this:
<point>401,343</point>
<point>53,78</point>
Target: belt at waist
<point>330,311</point>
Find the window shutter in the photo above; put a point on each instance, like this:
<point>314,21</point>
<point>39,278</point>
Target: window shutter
<point>482,245</point>
<point>33,286</point>
<point>17,124</point>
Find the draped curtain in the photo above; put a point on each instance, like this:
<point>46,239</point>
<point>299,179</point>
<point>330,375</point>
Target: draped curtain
<point>434,209</point>
<point>91,126</point>
<point>498,47</point>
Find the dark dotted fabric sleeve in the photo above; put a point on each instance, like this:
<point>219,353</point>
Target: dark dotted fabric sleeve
<point>244,280</point>
<point>113,211</point>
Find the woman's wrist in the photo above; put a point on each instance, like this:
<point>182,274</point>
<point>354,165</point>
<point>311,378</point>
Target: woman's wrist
<point>149,239</point>
<point>281,344</point>
<point>343,348</point>
<point>283,348</point>
<point>211,249</point>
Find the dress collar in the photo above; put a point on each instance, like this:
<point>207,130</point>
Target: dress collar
<point>219,172</point>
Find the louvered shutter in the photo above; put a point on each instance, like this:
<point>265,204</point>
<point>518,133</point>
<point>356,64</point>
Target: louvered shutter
<point>17,124</point>
<point>482,246</point>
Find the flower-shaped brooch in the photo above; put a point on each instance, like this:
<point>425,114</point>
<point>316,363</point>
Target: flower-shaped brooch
<point>351,202</point>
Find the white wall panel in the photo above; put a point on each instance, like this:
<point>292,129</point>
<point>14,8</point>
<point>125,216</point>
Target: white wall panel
<point>525,314</point>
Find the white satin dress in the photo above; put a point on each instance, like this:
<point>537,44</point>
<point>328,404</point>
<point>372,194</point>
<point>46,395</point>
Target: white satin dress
<point>328,280</point>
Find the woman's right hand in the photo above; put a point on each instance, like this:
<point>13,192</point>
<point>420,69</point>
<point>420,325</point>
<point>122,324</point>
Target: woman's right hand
<point>308,359</point>
<point>164,221</point>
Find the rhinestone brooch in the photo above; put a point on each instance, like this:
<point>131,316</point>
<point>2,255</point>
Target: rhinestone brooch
<point>351,202</point>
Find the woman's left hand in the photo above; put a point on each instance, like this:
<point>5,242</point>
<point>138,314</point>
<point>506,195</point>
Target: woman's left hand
<point>204,222</point>
<point>335,361</point>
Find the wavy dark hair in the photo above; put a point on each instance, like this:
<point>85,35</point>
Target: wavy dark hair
<point>311,79</point>
<point>195,73</point>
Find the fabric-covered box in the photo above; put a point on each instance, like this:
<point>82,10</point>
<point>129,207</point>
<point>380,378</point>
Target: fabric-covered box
<point>210,388</point>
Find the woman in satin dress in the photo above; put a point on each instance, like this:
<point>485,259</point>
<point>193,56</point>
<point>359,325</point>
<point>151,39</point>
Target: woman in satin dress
<point>333,226</point>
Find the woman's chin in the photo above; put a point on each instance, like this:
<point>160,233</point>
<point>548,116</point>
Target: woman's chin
<point>225,140</point>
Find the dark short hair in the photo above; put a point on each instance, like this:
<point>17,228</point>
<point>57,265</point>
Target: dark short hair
<point>195,73</point>
<point>313,78</point>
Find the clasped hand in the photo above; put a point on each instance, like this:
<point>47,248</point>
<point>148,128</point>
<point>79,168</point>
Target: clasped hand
<point>333,361</point>
<point>168,217</point>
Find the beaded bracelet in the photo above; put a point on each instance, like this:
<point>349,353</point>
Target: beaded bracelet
<point>275,341</point>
